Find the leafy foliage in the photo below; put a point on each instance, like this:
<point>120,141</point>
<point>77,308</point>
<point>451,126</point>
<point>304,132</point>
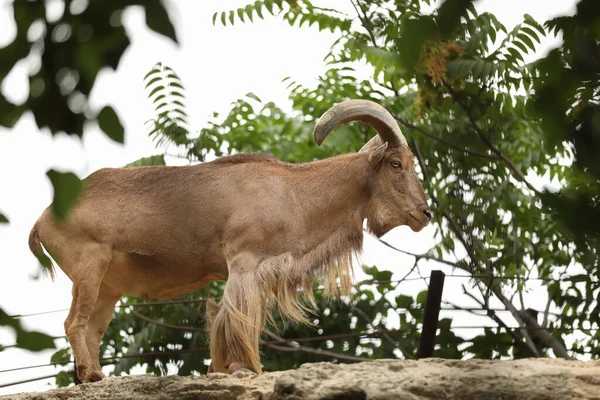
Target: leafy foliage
<point>481,121</point>
<point>167,94</point>
<point>67,188</point>
<point>71,51</point>
<point>301,11</point>
<point>147,161</point>
<point>26,339</point>
<point>450,78</point>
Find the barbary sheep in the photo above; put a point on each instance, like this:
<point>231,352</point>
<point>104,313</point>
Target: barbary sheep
<point>268,227</point>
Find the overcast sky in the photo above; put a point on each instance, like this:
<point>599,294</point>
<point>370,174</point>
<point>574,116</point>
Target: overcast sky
<point>217,65</point>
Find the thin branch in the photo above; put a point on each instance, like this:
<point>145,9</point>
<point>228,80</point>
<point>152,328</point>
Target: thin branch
<point>364,19</point>
<point>385,335</point>
<point>158,323</point>
<point>366,23</point>
<point>320,352</point>
<point>289,347</point>
<point>518,174</point>
<point>410,271</point>
<point>279,339</point>
<point>443,141</point>
<point>546,338</point>
<point>547,312</point>
<point>165,303</point>
<point>418,256</point>
<point>522,339</point>
<point>451,223</point>
<point>517,260</point>
<point>417,150</point>
<point>558,348</point>
<point>516,314</point>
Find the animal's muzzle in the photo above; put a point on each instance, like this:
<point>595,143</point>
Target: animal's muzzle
<point>425,210</point>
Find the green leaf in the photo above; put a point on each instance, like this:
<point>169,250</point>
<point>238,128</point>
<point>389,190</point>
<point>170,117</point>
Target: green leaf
<point>258,7</point>
<point>3,219</point>
<point>153,71</point>
<point>414,33</point>
<point>147,161</point>
<point>152,82</point>
<point>253,96</point>
<point>515,53</point>
<point>110,124</point>
<point>249,10</point>
<point>35,341</point>
<point>532,22</point>
<point>61,355</point>
<point>67,188</point>
<point>520,46</point>
<point>269,6</point>
<point>6,320</point>
<point>422,297</point>
<point>64,378</point>
<point>403,301</point>
<point>155,90</point>
<point>531,33</point>
<point>450,13</point>
<point>158,20</point>
<point>527,41</point>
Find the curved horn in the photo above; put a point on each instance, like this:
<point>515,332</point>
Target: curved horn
<point>361,110</point>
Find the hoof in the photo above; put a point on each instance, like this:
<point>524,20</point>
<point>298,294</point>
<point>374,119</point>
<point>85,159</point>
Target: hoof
<point>92,376</point>
<point>239,370</point>
<point>95,376</point>
<point>243,373</point>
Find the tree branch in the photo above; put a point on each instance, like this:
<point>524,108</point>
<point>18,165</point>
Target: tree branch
<point>384,334</point>
<point>523,338</point>
<point>418,256</point>
<point>557,347</point>
<point>546,312</point>
<point>545,337</point>
<point>171,326</point>
<point>289,347</point>
<point>516,172</point>
<point>364,19</point>
<point>443,141</point>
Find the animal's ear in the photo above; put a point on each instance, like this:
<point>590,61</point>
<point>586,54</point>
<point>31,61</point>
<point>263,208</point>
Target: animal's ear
<point>377,154</point>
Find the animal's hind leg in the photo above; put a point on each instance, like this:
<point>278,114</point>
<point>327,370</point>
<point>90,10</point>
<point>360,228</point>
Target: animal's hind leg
<point>236,324</point>
<point>87,270</point>
<point>97,325</point>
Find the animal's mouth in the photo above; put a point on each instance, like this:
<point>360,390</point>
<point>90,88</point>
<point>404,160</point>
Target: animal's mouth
<point>417,221</point>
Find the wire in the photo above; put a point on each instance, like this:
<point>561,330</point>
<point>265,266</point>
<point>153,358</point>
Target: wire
<point>375,333</point>
<point>366,282</point>
<point>27,380</point>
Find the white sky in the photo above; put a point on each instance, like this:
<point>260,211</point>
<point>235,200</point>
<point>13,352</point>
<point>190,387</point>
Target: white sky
<point>217,65</point>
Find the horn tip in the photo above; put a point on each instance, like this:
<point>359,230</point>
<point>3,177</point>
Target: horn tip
<point>319,135</point>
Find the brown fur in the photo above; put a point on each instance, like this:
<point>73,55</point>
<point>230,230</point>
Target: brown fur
<point>269,228</point>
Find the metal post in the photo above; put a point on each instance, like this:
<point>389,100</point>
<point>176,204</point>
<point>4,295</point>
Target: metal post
<point>432,313</point>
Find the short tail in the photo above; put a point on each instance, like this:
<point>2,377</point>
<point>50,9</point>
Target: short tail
<point>36,248</point>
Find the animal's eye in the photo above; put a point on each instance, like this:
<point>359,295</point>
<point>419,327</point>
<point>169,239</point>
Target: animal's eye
<point>396,164</point>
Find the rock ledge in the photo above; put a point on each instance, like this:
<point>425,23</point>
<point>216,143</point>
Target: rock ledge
<point>380,379</point>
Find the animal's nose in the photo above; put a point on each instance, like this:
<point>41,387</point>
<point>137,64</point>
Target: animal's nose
<point>425,210</point>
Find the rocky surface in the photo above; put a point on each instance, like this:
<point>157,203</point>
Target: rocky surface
<point>381,379</point>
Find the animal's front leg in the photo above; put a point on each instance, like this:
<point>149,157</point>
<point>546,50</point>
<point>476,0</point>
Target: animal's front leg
<point>236,324</point>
